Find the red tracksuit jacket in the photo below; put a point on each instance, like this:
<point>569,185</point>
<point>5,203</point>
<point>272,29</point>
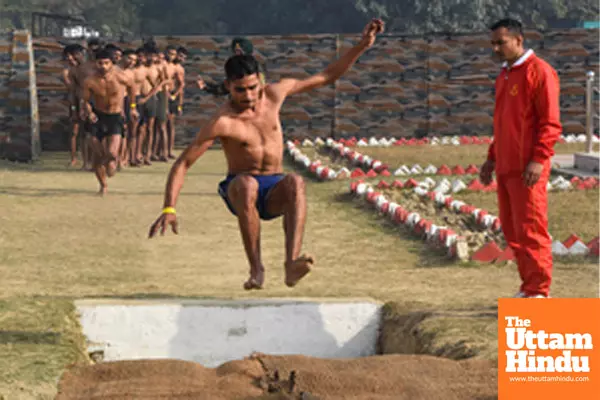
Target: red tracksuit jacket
<point>526,116</point>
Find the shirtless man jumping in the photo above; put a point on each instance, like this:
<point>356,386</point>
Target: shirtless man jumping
<point>107,89</point>
<point>249,129</point>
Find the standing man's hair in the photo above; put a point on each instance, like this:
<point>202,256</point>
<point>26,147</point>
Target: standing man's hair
<point>127,52</point>
<point>512,25</point>
<point>72,49</point>
<point>104,54</point>
<point>244,44</point>
<point>170,47</point>
<point>239,66</point>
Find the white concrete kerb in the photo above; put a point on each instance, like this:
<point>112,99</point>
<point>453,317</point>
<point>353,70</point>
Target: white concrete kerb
<point>214,331</point>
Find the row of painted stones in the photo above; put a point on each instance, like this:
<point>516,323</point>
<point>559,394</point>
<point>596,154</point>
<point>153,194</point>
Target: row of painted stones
<point>433,140</point>
<point>377,168</point>
<point>453,244</point>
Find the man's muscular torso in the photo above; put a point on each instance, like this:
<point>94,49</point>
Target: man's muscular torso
<point>130,75</point>
<point>172,74</point>
<point>253,140</point>
<point>139,80</point>
<point>107,91</point>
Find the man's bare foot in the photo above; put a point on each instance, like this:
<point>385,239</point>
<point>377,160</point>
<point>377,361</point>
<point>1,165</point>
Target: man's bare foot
<point>103,190</point>
<point>172,157</point>
<point>297,269</point>
<point>154,157</point>
<point>256,280</point>
<point>72,163</point>
<point>147,162</point>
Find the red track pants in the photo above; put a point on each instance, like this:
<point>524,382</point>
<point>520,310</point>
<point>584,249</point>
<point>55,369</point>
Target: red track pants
<point>524,219</point>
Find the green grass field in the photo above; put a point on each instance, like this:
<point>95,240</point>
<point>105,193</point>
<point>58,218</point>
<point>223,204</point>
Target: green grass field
<point>60,242</point>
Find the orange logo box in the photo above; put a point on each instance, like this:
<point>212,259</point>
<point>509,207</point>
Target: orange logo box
<point>548,349</point>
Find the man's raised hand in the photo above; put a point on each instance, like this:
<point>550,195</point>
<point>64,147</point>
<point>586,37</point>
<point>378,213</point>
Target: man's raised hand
<point>374,27</point>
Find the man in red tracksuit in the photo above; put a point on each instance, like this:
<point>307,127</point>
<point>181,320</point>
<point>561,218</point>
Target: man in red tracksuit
<point>526,127</point>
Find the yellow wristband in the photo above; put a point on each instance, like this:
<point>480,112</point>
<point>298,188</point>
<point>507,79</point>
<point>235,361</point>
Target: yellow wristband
<point>179,108</point>
<point>168,210</point>
<point>133,105</point>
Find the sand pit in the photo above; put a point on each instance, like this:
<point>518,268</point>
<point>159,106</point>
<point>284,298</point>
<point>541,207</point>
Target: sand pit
<point>259,349</point>
<point>374,378</point>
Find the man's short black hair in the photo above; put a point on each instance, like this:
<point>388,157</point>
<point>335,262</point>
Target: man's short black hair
<point>512,25</point>
<point>150,50</point>
<point>127,52</point>
<point>140,50</point>
<point>94,42</point>
<point>241,65</point>
<point>72,49</point>
<point>182,50</point>
<point>104,54</point>
<point>170,47</point>
<point>113,47</point>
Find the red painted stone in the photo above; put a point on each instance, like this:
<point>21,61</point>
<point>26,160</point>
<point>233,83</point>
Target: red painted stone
<point>594,246</point>
<point>371,174</point>
<point>411,183</point>
<point>475,185</point>
<point>383,185</point>
<point>570,241</point>
<point>488,253</point>
<point>458,170</point>
<point>357,173</point>
<point>444,170</point>
<point>397,184</point>
<point>472,169</point>
<point>385,207</point>
<point>507,255</point>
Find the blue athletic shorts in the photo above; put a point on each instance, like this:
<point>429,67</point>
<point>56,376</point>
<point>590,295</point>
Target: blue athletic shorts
<point>265,184</point>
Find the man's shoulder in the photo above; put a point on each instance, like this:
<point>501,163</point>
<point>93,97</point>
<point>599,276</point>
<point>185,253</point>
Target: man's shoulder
<point>541,69</point>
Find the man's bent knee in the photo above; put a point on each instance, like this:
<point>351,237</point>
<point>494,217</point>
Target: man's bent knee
<point>243,191</point>
<point>295,186</point>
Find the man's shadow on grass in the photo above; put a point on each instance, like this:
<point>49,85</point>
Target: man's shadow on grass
<point>28,337</point>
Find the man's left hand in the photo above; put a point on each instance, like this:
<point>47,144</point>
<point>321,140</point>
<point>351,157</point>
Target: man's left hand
<point>373,28</point>
<point>532,173</point>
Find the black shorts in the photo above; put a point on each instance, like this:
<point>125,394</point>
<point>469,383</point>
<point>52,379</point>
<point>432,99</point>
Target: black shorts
<point>173,104</point>
<point>148,110</point>
<point>107,125</point>
<point>161,106</point>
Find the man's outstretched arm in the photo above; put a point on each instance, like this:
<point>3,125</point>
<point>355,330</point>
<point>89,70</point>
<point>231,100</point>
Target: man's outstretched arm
<point>203,140</point>
<point>335,70</point>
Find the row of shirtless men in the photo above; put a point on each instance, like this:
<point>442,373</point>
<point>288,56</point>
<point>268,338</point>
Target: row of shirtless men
<point>131,95</point>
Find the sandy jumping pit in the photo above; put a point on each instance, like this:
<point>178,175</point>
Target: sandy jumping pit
<point>379,377</point>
